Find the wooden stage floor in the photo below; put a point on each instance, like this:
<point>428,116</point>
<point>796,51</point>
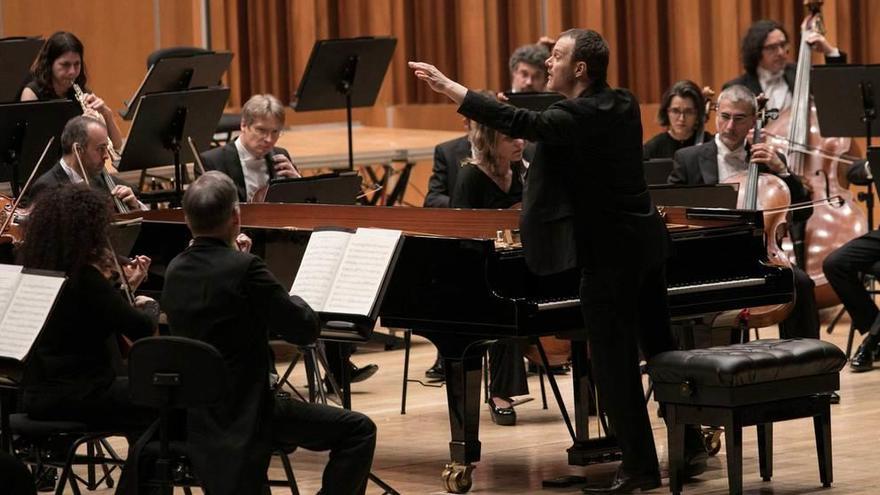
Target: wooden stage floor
<point>413,449</point>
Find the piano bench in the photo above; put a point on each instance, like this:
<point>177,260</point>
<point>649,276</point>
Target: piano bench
<point>755,383</point>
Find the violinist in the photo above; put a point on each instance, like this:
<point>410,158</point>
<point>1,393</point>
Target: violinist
<point>70,374</point>
<point>844,267</point>
<point>86,137</point>
<point>730,154</point>
<point>764,53</point>
<point>59,66</point>
<point>252,159</point>
<point>682,112</point>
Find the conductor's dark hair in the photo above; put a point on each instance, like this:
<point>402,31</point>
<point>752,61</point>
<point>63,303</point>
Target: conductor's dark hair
<point>753,43</point>
<point>67,229</point>
<point>76,131</point>
<point>682,89</point>
<point>57,45</point>
<point>210,202</point>
<point>590,47</point>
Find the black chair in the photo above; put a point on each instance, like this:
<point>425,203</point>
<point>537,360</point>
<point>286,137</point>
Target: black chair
<point>177,373</point>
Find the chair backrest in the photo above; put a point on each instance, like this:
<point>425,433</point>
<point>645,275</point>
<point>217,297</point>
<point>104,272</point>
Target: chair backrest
<point>176,372</point>
<point>174,51</point>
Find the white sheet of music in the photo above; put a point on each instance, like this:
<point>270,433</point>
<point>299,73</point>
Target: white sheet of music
<point>319,266</point>
<point>362,271</point>
<point>10,275</point>
<point>26,313</point>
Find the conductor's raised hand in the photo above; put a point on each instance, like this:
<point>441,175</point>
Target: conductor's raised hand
<point>438,81</point>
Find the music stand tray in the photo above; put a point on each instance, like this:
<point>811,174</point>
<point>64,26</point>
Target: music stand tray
<point>16,56</point>
<point>161,124</point>
<point>840,106</point>
<point>344,73</point>
<point>204,70</point>
<point>703,195</point>
<point>327,189</point>
<point>537,101</point>
<point>25,128</point>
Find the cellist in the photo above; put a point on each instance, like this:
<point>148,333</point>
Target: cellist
<point>729,154</point>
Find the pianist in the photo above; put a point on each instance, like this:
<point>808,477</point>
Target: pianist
<point>586,205</point>
<point>728,154</point>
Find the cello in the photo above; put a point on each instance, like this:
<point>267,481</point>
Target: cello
<point>767,193</point>
<point>796,129</point>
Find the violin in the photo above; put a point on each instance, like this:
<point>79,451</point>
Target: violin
<point>10,230</point>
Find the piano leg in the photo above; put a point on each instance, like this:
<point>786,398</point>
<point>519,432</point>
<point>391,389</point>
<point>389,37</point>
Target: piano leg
<point>463,361</point>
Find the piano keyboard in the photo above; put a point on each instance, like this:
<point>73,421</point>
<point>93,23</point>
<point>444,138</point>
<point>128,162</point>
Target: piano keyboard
<point>672,291</point>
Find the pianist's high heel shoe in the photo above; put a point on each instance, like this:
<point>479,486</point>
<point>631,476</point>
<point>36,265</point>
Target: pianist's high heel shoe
<point>504,416</point>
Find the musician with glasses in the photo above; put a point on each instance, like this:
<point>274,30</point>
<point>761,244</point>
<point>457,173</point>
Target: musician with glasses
<point>252,159</point>
<point>729,154</point>
<point>682,111</point>
<point>59,65</point>
<point>764,53</point>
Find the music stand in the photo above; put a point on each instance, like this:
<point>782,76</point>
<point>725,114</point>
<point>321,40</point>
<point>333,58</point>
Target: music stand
<point>344,73</point>
<point>203,70</point>
<point>326,189</point>
<point>16,56</point>
<point>25,128</point>
<point>161,124</point>
<point>537,101</point>
<point>849,92</point>
<point>702,195</point>
<point>657,171</point>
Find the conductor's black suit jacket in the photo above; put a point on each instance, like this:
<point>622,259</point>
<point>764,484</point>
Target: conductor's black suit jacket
<point>230,300</point>
<point>585,203</point>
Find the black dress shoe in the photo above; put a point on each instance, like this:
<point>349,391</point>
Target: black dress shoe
<point>436,371</point>
<point>627,483</point>
<point>362,373</point>
<point>864,357</point>
<point>503,416</point>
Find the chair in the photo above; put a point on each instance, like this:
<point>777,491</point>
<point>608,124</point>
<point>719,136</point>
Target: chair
<point>177,373</point>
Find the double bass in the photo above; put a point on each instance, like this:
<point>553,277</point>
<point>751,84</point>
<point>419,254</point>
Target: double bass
<point>834,222</point>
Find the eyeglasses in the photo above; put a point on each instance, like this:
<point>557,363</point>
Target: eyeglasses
<point>737,119</point>
<point>681,112</point>
<point>782,45</point>
<point>264,132</point>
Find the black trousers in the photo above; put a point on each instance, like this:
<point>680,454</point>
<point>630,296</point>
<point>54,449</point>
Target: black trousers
<point>803,321</point>
<point>843,268</point>
<point>349,436</point>
<point>507,371</point>
<point>626,309</point>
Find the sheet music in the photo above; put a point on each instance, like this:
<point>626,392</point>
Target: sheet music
<point>319,265</point>
<point>10,275</point>
<point>27,312</point>
<point>362,271</point>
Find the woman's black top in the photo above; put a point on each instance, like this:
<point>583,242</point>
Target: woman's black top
<point>475,189</point>
<point>664,146</point>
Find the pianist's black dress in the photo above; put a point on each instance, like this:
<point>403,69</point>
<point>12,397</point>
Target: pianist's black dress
<point>475,189</point>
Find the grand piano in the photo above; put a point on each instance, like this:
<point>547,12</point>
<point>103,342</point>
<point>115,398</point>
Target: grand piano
<point>461,281</point>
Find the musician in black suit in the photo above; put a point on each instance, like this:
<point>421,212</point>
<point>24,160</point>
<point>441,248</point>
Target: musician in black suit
<point>226,297</point>
<point>252,159</point>
<point>728,155</point>
<point>88,138</point>
<point>764,52</point>
<point>586,205</point>
<point>843,268</point>
<point>448,157</point>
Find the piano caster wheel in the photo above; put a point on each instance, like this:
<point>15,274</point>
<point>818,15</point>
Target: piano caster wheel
<point>712,439</point>
<point>457,477</point>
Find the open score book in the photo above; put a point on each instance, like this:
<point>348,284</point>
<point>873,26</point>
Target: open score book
<point>26,299</point>
<point>344,272</point>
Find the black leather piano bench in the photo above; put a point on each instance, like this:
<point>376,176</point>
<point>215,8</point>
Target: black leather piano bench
<point>756,383</point>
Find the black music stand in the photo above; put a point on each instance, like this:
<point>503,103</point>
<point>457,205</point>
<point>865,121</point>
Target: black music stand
<point>25,128</point>
<point>657,171</point>
<point>537,101</point>
<point>344,73</point>
<point>16,56</point>
<point>162,122</point>
<point>702,195</point>
<point>203,70</point>
<point>849,93</point>
<point>326,189</point>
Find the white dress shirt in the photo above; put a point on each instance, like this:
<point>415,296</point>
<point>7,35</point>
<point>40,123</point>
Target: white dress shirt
<point>775,88</point>
<point>730,162</point>
<point>253,168</point>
